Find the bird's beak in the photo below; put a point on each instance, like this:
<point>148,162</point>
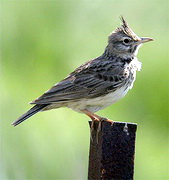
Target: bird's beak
<point>143,40</point>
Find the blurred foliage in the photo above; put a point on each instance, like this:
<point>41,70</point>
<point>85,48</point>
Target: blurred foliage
<point>43,41</point>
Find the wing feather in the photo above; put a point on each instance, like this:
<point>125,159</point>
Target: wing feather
<point>90,80</point>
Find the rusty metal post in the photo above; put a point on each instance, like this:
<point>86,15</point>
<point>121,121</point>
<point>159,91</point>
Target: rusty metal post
<point>112,157</point>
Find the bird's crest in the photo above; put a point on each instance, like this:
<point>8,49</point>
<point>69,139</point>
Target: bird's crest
<point>126,29</point>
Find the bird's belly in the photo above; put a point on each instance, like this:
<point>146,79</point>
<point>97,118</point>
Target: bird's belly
<point>98,103</point>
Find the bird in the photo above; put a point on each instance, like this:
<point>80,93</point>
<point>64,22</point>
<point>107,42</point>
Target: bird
<point>99,82</point>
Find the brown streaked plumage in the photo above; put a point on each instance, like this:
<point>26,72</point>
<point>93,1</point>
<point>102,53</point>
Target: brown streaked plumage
<point>99,82</point>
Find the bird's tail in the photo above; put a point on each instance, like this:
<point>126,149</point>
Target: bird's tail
<point>29,113</point>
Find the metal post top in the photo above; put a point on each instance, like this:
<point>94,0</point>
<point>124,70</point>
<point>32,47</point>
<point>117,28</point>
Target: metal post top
<point>120,125</point>
<point>112,156</point>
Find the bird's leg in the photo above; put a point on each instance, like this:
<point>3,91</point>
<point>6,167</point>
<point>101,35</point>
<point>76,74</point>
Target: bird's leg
<point>94,118</point>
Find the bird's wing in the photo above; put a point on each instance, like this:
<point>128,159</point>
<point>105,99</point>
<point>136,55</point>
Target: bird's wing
<point>93,79</point>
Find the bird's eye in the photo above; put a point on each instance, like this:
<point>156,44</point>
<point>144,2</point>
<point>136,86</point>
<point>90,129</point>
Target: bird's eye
<point>126,41</point>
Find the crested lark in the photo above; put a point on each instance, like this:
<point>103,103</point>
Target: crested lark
<point>99,82</point>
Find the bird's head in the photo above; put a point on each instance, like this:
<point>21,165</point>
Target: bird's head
<point>123,41</point>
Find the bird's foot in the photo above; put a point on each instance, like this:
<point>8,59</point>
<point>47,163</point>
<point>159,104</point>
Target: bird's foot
<point>91,130</point>
<point>99,119</point>
<point>92,127</point>
<point>99,128</point>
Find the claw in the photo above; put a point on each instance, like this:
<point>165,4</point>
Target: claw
<point>94,118</point>
<point>91,130</point>
<point>99,128</point>
<point>98,131</point>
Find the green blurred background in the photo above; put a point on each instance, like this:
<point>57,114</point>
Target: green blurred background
<point>43,41</point>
